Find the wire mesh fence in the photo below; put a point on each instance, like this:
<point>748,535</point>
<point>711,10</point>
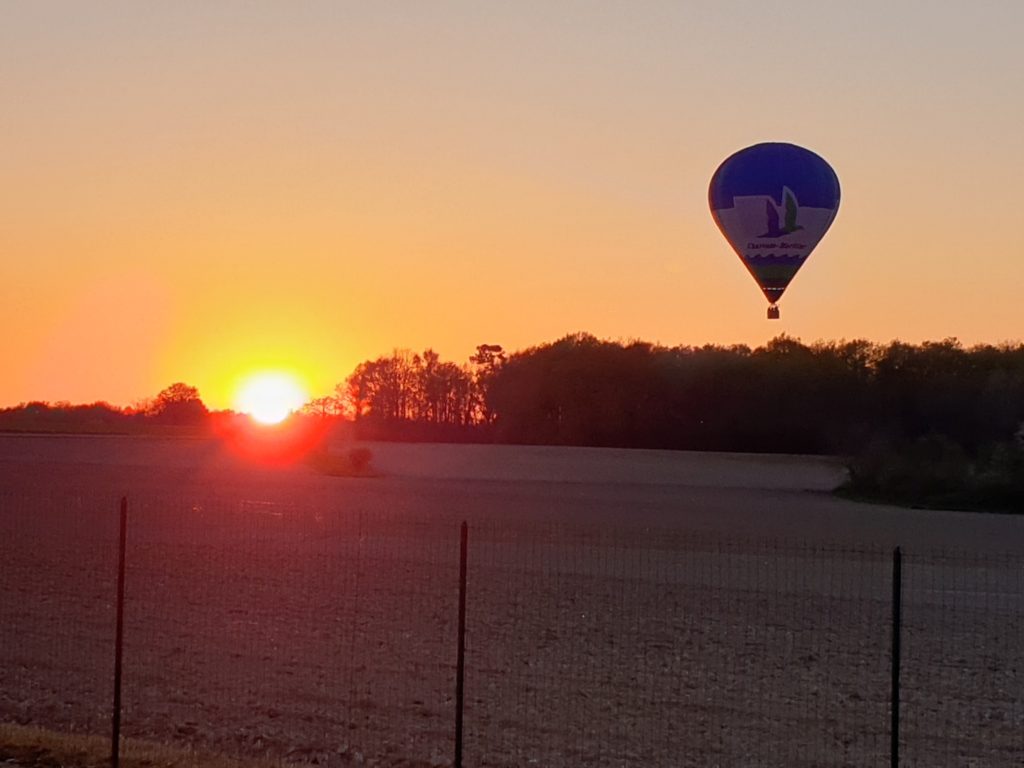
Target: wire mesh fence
<point>268,628</point>
<point>325,634</point>
<point>963,649</point>
<point>656,648</point>
<point>58,561</point>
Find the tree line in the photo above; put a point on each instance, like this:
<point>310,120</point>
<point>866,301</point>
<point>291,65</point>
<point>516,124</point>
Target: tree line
<point>414,396</point>
<point>828,397</point>
<point>784,396</point>
<point>933,424</point>
<point>176,406</point>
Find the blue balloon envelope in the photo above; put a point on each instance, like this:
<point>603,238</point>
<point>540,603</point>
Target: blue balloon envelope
<point>774,202</point>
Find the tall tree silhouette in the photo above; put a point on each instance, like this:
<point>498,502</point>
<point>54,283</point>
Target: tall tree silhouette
<point>178,404</point>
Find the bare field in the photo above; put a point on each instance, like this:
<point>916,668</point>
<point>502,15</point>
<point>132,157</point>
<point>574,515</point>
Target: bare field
<point>625,607</point>
<point>751,495</point>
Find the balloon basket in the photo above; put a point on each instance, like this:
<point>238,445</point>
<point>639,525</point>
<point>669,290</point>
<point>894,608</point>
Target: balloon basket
<point>773,312</point>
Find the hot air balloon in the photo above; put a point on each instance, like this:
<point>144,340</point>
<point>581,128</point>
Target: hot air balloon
<point>774,202</point>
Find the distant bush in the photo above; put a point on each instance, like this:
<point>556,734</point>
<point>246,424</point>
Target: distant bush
<point>356,462</point>
<point>936,472</point>
<point>359,459</point>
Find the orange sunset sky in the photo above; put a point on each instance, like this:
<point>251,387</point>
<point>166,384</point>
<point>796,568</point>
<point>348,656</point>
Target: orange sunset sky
<point>193,191</point>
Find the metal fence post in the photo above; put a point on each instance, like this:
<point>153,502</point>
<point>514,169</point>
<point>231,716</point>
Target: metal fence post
<point>115,740</point>
<point>460,662</point>
<point>897,617</point>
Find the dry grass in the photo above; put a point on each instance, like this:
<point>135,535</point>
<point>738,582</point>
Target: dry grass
<point>40,748</point>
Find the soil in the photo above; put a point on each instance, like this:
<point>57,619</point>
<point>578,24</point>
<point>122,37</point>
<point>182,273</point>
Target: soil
<point>624,608</point>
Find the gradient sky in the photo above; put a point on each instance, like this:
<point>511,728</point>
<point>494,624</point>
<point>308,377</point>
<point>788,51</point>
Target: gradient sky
<point>195,190</point>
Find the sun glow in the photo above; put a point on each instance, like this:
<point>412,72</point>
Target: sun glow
<point>270,396</point>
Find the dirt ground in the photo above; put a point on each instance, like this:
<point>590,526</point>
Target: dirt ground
<point>624,607</point>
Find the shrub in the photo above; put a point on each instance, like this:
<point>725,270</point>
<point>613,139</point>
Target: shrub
<point>354,463</point>
<point>359,459</point>
<point>934,471</point>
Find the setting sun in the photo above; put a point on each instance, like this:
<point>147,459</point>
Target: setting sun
<point>269,397</point>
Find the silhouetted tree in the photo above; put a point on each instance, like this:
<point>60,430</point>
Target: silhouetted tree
<point>385,386</point>
<point>444,393</point>
<point>324,407</point>
<point>178,404</point>
<point>414,396</point>
<point>486,363</point>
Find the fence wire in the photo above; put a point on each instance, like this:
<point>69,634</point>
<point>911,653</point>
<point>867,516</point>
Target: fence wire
<point>58,589</point>
<point>963,649</point>
<point>269,628</point>
<point>320,633</point>
<point>654,648</point>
